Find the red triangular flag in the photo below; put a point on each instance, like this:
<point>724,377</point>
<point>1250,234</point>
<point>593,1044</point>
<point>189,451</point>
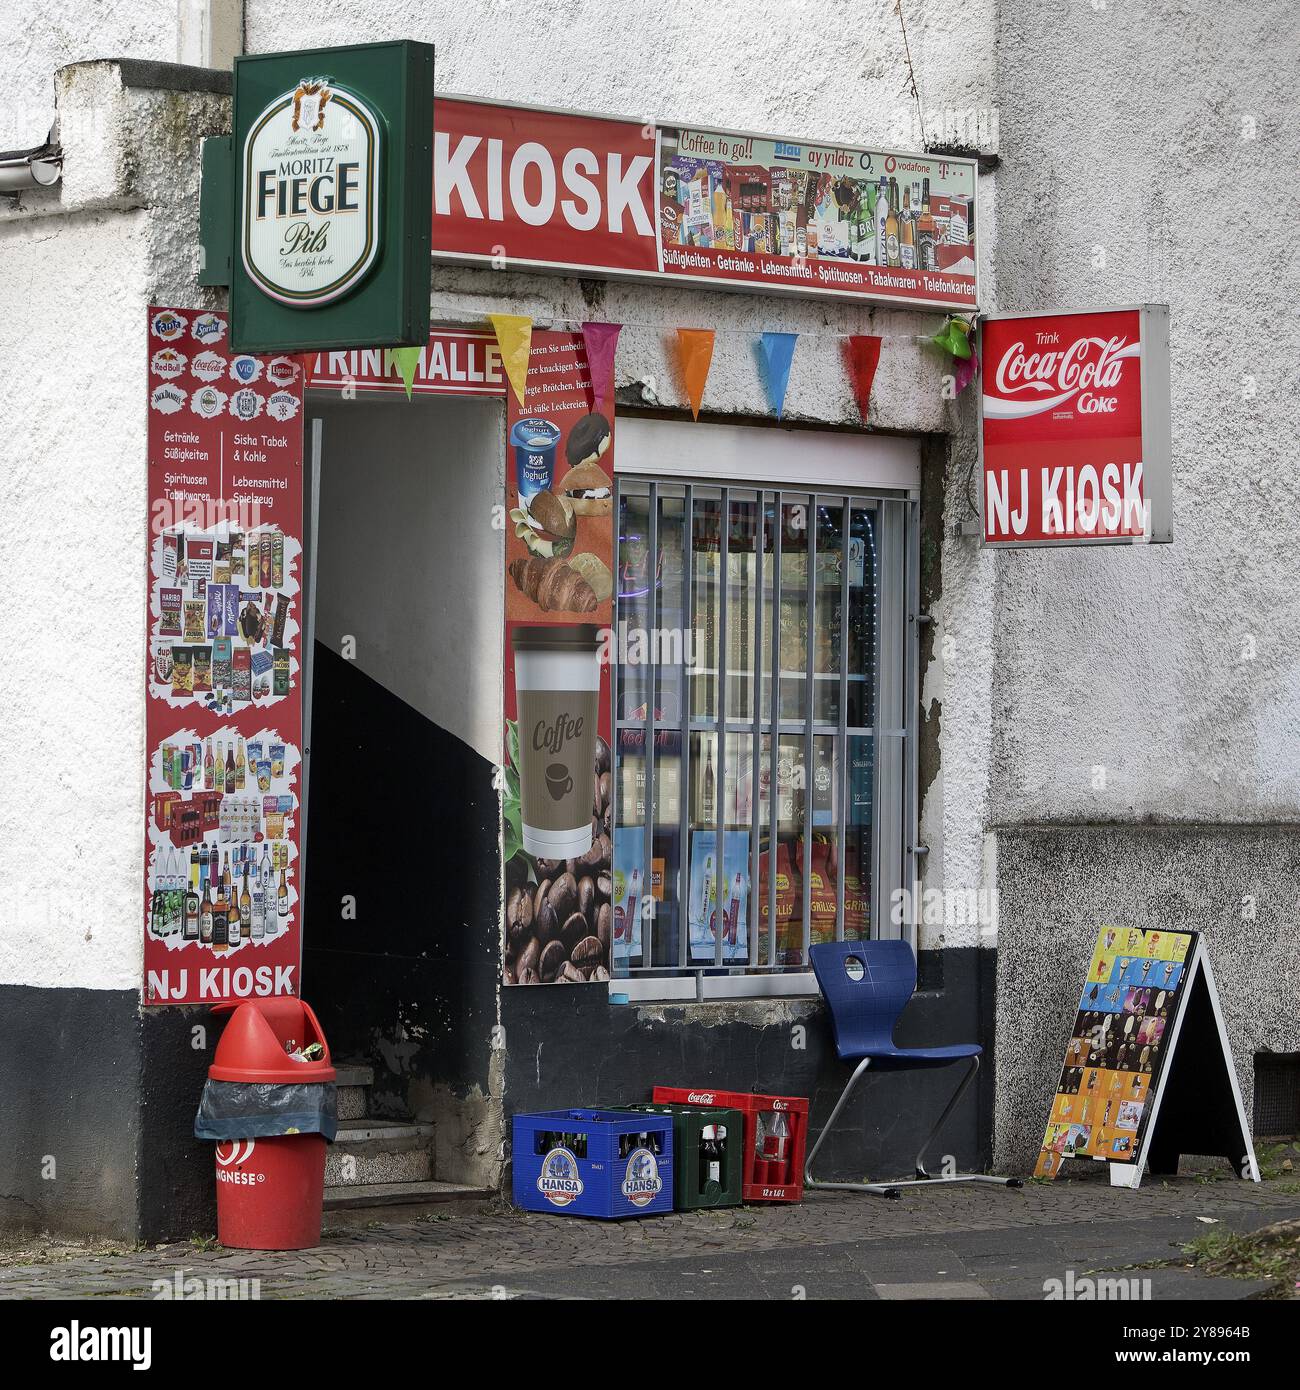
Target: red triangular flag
<point>862,353</point>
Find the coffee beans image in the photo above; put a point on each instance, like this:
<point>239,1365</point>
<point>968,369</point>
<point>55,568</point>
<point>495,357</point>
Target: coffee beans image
<point>558,920</point>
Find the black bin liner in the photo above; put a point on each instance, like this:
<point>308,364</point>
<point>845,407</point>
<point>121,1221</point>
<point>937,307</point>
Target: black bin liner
<point>261,1110</point>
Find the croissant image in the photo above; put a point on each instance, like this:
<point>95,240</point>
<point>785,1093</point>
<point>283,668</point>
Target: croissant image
<point>552,585</point>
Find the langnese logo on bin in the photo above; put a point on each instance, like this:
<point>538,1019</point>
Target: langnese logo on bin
<point>558,1181</point>
<point>642,1183</point>
<point>232,1155</point>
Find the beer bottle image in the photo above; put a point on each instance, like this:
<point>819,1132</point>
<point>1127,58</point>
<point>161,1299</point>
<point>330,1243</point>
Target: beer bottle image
<point>240,767</point>
<point>246,909</point>
<point>219,770</point>
<point>907,235</point>
<point>925,232</point>
<point>235,931</point>
<point>208,783</point>
<point>282,896</point>
<point>205,916</point>
<point>891,225</point>
<point>230,767</point>
<point>220,922</point>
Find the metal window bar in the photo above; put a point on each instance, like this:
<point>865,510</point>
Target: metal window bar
<point>720,719</point>
<point>685,709</point>
<point>766,714</point>
<point>652,679</point>
<point>755,709</point>
<point>810,714</point>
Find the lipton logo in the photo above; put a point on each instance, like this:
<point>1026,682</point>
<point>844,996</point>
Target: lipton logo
<point>559,1181</point>
<point>1053,375</point>
<point>310,195</point>
<point>641,1180</point>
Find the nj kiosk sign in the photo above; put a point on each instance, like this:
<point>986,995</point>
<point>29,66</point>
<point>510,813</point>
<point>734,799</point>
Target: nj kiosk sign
<point>1074,427</point>
<point>331,168</point>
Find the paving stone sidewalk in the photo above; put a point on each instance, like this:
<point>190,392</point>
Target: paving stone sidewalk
<point>954,1242</point>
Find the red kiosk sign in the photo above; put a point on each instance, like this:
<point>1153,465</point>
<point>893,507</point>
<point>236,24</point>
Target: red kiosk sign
<point>1074,427</point>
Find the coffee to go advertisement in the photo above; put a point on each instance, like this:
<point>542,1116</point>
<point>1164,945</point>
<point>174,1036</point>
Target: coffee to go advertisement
<point>1075,427</point>
<point>559,558</point>
<point>554,190</point>
<point>223,774</point>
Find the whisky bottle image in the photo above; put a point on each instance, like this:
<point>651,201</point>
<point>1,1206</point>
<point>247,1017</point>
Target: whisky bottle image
<point>220,922</point>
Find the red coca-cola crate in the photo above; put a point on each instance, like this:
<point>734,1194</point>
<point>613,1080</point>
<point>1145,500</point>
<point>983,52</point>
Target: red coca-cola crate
<point>769,1174</point>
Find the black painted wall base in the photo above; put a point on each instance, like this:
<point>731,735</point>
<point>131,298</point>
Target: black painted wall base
<point>566,1045</point>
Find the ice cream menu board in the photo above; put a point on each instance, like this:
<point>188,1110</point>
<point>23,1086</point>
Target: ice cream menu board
<point>559,557</point>
<point>1122,1035</point>
<point>223,674</point>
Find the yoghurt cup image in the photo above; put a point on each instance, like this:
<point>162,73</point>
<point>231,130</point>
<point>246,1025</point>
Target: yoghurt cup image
<point>534,442</point>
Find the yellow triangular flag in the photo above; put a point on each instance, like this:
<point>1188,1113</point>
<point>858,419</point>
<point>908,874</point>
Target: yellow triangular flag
<point>407,360</point>
<point>514,338</point>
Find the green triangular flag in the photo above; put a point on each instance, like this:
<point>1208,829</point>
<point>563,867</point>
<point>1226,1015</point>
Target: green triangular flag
<point>954,338</point>
<point>407,359</point>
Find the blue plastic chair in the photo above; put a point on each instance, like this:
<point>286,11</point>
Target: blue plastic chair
<point>866,985</point>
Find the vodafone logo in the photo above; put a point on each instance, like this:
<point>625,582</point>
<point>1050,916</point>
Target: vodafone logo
<point>1053,375</point>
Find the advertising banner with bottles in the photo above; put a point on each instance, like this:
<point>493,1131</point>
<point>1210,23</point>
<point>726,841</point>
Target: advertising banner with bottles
<point>525,186</point>
<point>224,711</point>
<point>1075,427</point>
<point>559,558</point>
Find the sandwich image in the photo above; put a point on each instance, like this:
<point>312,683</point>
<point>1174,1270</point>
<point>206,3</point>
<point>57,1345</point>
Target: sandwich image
<point>586,484</point>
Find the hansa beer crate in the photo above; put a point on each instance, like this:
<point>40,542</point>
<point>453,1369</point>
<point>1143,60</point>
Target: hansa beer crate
<point>776,1138</point>
<point>605,1163</point>
<point>708,1154</point>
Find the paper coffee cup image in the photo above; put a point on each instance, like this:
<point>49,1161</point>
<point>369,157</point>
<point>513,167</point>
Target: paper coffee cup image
<point>557,695</point>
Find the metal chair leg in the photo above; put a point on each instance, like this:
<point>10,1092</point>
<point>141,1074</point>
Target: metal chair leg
<point>923,1178</point>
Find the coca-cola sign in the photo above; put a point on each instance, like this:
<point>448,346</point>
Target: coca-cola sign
<point>1074,427</point>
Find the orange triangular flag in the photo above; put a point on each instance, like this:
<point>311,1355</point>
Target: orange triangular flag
<point>695,353</point>
<point>514,338</point>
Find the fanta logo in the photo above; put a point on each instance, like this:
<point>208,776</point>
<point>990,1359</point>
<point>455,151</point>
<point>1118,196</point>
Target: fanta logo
<point>168,326</point>
<point>558,1181</point>
<point>642,1183</point>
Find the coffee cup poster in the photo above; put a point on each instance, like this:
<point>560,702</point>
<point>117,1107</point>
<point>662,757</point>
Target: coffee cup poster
<point>559,558</point>
<point>223,665</point>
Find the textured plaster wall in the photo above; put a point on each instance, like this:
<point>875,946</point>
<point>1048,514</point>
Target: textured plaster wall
<point>1162,683</point>
<point>80,263</point>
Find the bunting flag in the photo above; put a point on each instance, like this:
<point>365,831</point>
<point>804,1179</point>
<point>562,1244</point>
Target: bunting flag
<point>307,361</point>
<point>777,351</point>
<point>406,359</point>
<point>954,338</point>
<point>694,354</point>
<point>601,342</point>
<point>965,370</point>
<point>862,353</point>
<point>514,338</point>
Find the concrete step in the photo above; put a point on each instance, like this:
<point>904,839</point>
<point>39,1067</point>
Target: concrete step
<point>352,1080</point>
<point>344,1197</point>
<point>369,1152</point>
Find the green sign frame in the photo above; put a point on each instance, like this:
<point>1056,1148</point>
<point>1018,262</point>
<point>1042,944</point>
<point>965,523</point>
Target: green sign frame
<point>385,300</point>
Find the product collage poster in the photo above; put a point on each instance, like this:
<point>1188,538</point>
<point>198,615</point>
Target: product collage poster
<point>224,678</point>
<point>1120,1041</point>
<point>559,586</point>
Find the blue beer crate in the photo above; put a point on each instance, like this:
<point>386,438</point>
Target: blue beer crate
<point>604,1163</point>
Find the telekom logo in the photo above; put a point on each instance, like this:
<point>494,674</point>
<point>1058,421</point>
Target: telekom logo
<point>1088,365</point>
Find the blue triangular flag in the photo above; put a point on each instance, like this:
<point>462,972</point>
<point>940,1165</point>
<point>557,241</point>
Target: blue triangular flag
<point>778,352</point>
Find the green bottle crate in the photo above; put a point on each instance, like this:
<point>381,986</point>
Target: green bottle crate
<point>689,1193</point>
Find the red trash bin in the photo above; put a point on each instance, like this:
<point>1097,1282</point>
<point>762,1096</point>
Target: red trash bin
<point>270,1191</point>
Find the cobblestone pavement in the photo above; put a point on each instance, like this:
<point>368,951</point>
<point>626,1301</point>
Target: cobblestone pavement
<point>946,1242</point>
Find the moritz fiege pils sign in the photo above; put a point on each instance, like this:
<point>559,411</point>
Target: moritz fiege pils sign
<point>1075,427</point>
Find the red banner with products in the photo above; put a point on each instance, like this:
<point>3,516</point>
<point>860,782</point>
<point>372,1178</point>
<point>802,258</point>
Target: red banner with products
<point>223,786</point>
<point>522,186</point>
<point>1067,446</point>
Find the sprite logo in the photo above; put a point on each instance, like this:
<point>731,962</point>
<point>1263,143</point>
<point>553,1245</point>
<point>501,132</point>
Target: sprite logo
<point>558,1181</point>
<point>641,1182</point>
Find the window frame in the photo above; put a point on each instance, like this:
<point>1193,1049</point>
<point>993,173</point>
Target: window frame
<point>835,469</point>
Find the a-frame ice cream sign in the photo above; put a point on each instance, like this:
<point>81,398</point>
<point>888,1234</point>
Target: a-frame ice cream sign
<point>1074,427</point>
<point>1148,1072</point>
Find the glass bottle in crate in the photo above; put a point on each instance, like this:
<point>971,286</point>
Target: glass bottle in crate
<point>772,1135</point>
